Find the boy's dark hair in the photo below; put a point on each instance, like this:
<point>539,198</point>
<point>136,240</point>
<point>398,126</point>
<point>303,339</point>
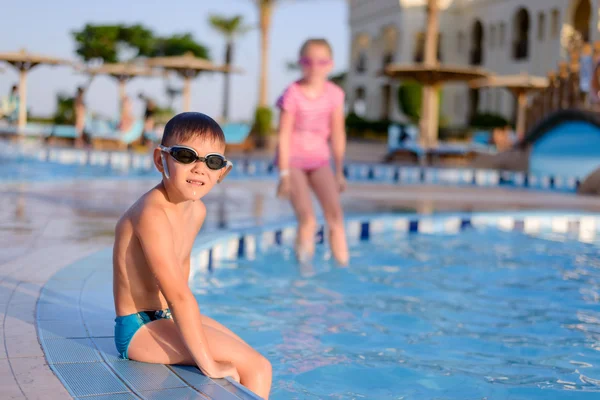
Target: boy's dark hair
<point>14,88</point>
<point>187,125</point>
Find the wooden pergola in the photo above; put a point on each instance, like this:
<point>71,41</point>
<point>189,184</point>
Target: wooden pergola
<point>24,61</point>
<point>188,67</point>
<point>520,86</point>
<point>432,75</point>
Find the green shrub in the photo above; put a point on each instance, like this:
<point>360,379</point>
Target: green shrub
<point>359,127</point>
<point>263,121</point>
<point>410,100</point>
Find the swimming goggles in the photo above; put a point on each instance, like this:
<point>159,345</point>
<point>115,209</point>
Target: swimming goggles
<point>187,155</point>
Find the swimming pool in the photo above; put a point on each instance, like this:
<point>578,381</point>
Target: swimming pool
<point>30,163</point>
<point>483,314</point>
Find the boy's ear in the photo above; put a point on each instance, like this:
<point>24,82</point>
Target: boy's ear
<point>157,160</point>
<point>225,172</point>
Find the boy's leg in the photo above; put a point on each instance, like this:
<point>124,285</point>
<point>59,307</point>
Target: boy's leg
<point>302,203</point>
<point>325,187</point>
<point>159,342</point>
<point>207,321</point>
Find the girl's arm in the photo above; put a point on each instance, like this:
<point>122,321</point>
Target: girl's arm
<point>286,124</point>
<point>287,105</point>
<point>338,139</point>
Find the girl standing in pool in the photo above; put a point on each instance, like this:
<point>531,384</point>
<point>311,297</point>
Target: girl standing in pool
<point>312,117</point>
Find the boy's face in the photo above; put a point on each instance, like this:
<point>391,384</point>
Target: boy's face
<point>193,181</point>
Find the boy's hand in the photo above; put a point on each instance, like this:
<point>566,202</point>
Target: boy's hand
<point>341,181</point>
<point>224,369</point>
<point>284,188</point>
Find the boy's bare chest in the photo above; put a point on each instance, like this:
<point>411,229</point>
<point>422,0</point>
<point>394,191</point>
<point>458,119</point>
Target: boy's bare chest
<point>184,235</point>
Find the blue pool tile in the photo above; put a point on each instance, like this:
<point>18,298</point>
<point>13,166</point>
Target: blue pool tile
<point>278,234</point>
<point>176,394</point>
<point>59,285</point>
<point>364,231</point>
<point>191,375</point>
<point>116,396</point>
<point>86,379</point>
<point>57,312</point>
<point>63,297</point>
<point>107,349</point>
<point>413,226</point>
<point>210,260</point>
<point>141,376</point>
<point>101,328</point>
<point>215,391</point>
<point>60,351</point>
<point>237,389</point>
<point>320,236</point>
<point>241,247</point>
<point>61,329</point>
<point>465,223</point>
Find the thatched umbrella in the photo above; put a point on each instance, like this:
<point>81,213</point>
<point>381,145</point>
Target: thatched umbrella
<point>520,86</point>
<point>431,74</point>
<point>122,72</point>
<point>188,67</point>
<point>24,61</point>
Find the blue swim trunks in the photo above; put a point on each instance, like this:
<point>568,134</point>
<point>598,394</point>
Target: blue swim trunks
<point>127,325</point>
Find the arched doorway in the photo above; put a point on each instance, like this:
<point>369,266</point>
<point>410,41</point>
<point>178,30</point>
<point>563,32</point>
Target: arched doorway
<point>473,103</point>
<point>360,55</point>
<point>581,19</point>
<point>521,25</point>
<point>359,106</point>
<point>477,44</point>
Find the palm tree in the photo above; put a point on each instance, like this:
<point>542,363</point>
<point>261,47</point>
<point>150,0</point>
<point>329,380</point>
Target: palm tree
<point>230,28</point>
<point>265,11</point>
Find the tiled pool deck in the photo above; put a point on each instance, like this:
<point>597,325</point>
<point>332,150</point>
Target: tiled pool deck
<point>67,228</point>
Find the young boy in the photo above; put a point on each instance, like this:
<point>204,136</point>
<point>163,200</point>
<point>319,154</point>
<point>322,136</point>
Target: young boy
<point>158,319</point>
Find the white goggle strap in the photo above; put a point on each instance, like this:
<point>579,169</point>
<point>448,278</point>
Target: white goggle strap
<point>227,169</point>
<point>164,164</point>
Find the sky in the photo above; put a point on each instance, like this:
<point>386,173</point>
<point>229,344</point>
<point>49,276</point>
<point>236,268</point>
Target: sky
<point>45,27</point>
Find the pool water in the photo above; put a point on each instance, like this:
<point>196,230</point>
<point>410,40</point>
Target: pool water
<point>41,171</point>
<point>33,170</point>
<point>484,314</point>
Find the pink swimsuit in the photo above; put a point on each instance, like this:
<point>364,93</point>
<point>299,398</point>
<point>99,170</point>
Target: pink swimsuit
<point>309,142</point>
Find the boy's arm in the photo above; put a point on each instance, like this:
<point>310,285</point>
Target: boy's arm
<point>156,237</point>
<point>202,216</point>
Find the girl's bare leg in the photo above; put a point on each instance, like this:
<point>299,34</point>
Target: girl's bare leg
<point>307,223</point>
<point>325,187</point>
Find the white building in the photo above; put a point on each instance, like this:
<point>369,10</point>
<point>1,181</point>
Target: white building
<point>502,36</point>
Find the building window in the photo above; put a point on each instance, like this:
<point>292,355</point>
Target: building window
<point>388,58</point>
<point>359,106</point>
<point>477,44</point>
<point>419,49</point>
<point>361,65</point>
<point>582,18</point>
<point>493,36</point>
<point>541,26</point>
<point>460,42</point>
<point>555,23</point>
<point>521,35</point>
<point>457,103</point>
<point>502,34</point>
<point>498,108</point>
